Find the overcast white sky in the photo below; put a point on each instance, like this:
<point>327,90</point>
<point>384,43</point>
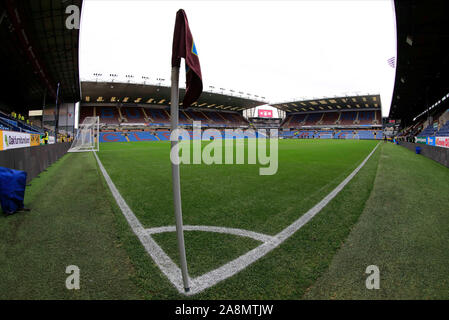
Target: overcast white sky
<point>281,50</point>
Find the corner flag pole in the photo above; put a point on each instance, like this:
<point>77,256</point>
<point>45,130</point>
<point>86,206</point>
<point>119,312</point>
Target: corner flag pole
<point>174,109</point>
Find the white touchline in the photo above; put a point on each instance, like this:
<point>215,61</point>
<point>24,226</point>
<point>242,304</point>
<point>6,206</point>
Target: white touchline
<point>207,280</point>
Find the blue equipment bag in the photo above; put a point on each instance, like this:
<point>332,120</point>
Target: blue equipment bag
<point>12,189</point>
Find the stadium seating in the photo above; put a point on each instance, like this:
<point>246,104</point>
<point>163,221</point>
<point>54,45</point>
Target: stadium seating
<point>112,137</point>
<point>294,120</point>
<point>427,132</point>
<point>85,112</point>
<point>378,117</point>
<point>329,134</point>
<point>198,116</point>
<point>162,135</point>
<point>313,118</point>
<point>9,124</point>
<point>142,136</point>
<point>348,118</point>
<point>366,117</point>
<point>108,115</point>
<point>215,117</point>
<point>444,130</point>
<point>158,116</point>
<point>324,135</point>
<point>140,116</point>
<point>330,118</point>
<point>184,119</point>
<point>133,115</point>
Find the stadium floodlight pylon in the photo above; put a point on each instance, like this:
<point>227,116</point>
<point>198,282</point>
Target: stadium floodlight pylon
<point>87,138</point>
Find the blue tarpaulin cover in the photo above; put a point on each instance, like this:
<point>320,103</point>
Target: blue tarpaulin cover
<point>12,189</point>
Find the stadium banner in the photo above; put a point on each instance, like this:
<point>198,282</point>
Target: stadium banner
<point>442,142</point>
<point>431,141</point>
<point>265,113</point>
<point>422,140</point>
<point>14,140</point>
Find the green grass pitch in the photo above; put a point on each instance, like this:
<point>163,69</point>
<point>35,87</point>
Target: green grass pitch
<point>228,195</point>
<point>377,216</point>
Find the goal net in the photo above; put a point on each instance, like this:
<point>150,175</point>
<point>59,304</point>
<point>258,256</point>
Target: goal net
<point>87,137</point>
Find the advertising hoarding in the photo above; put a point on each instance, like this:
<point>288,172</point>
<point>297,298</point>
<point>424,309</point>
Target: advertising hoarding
<point>14,140</point>
<point>442,142</point>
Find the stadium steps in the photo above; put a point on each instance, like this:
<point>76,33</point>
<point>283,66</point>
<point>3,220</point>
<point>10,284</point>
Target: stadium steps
<point>284,122</point>
<point>204,114</point>
<point>339,117</point>
<point>168,114</point>
<point>321,119</point>
<point>122,118</point>
<point>305,119</point>
<point>357,118</point>
<point>444,130</point>
<point>225,120</point>
<point>187,115</point>
<point>147,118</point>
<point>287,124</point>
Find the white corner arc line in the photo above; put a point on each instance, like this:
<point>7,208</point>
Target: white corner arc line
<point>234,231</point>
<point>209,279</point>
<point>231,268</point>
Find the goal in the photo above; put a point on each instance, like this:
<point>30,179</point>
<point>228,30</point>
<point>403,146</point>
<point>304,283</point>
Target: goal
<point>87,137</point>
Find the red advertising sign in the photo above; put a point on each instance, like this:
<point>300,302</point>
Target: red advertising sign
<point>442,142</point>
<point>265,113</point>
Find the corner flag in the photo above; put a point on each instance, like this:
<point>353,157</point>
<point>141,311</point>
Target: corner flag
<point>184,47</point>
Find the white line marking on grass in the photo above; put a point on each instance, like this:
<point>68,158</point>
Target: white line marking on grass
<point>162,260</point>
<point>231,268</point>
<point>238,232</point>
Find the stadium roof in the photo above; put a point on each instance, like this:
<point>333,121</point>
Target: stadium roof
<point>357,103</point>
<point>37,51</point>
<point>133,93</point>
<point>422,74</point>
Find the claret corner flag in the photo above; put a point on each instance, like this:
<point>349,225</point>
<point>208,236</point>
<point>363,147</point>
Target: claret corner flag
<point>184,47</point>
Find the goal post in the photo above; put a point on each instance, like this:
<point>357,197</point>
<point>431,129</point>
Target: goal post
<point>88,136</point>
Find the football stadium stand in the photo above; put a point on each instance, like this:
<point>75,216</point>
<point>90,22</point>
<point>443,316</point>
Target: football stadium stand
<point>363,118</point>
<point>444,130</point>
<point>428,131</point>
<point>114,117</point>
<point>8,123</point>
<point>160,135</point>
<point>333,134</point>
